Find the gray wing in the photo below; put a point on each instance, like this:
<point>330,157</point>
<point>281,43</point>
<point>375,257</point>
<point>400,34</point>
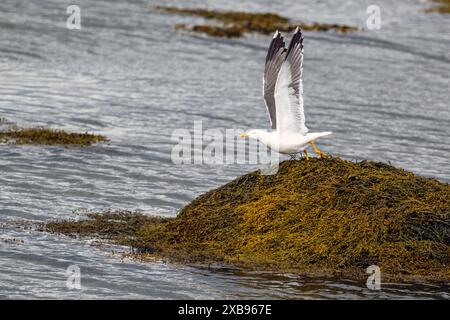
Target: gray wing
<point>274,59</point>
<point>289,89</point>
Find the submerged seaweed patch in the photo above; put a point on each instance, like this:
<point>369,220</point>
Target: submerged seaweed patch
<point>215,31</point>
<point>45,136</point>
<point>313,216</point>
<point>440,6</point>
<point>117,226</point>
<point>236,23</point>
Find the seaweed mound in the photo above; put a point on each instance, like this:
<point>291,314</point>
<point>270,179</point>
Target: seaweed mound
<point>45,136</point>
<point>318,216</point>
<point>236,23</point>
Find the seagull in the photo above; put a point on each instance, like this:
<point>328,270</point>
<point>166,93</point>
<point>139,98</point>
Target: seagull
<point>283,96</point>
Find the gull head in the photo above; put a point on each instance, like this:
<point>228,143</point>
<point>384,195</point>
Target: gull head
<point>252,133</point>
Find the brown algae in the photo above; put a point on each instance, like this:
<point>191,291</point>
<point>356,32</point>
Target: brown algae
<point>215,31</point>
<point>236,23</point>
<point>440,6</point>
<point>313,217</point>
<point>118,226</point>
<point>45,136</point>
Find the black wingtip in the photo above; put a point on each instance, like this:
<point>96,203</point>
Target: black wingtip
<point>297,38</point>
<point>275,45</point>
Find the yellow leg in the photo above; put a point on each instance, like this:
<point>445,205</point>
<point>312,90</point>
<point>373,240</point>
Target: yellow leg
<point>319,153</point>
<point>306,154</point>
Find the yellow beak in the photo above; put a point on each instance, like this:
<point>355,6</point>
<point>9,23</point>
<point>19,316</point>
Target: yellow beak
<point>243,135</point>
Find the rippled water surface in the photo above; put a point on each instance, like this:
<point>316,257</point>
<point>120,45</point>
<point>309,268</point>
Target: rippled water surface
<point>129,75</point>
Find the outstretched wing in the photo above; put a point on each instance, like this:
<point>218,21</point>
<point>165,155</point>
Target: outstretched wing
<point>289,89</point>
<point>275,57</point>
